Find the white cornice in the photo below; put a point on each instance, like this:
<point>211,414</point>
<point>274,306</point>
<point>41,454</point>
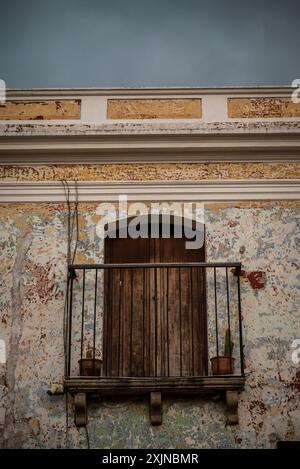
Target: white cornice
<point>202,191</point>
<point>165,147</point>
<point>162,91</point>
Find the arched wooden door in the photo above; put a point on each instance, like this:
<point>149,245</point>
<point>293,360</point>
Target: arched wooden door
<point>154,318</point>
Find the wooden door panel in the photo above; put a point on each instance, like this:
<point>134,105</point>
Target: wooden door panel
<point>155,318</point>
<point>137,323</point>
<point>186,323</point>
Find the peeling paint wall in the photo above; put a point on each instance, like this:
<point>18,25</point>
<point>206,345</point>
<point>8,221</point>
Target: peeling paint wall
<point>262,107</point>
<point>154,108</point>
<point>150,171</point>
<point>265,236</point>
<point>40,110</point>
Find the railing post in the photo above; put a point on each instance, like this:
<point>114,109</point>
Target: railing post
<point>238,272</point>
<point>82,320</point>
<point>95,317</point>
<point>72,275</point>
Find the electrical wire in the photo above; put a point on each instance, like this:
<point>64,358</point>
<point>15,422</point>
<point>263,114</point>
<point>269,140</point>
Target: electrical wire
<point>87,437</point>
<point>71,220</point>
<point>67,420</point>
<point>77,221</point>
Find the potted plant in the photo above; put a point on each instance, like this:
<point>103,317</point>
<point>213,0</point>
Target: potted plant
<point>90,366</point>
<point>224,364</point>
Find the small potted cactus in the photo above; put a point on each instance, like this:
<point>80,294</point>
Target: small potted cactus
<point>90,366</point>
<point>224,364</point>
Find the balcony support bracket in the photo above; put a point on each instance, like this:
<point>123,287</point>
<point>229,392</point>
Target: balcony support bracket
<point>155,408</point>
<point>80,409</point>
<point>232,407</point>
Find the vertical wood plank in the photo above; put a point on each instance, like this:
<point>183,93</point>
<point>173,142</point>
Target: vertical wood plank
<point>137,347</point>
<point>114,330</point>
<point>126,323</point>
<point>186,324</point>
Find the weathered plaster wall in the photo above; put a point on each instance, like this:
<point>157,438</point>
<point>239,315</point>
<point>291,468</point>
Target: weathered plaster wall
<point>148,171</point>
<point>40,110</point>
<point>154,108</point>
<point>265,236</point>
<point>262,107</point>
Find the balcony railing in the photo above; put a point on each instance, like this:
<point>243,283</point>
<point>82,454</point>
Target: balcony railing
<point>153,344</point>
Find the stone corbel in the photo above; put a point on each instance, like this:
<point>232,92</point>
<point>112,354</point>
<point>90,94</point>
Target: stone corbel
<point>155,408</point>
<point>232,407</point>
<point>80,409</point>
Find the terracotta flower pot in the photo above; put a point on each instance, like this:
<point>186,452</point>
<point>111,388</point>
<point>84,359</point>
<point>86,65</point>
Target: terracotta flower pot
<point>90,367</point>
<point>222,365</point>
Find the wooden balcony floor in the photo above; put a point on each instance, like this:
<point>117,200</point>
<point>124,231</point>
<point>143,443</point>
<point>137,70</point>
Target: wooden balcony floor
<point>193,385</point>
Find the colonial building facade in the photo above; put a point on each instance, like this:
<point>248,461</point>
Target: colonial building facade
<point>114,319</point>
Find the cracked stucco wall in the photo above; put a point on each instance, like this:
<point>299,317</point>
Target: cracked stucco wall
<point>265,236</point>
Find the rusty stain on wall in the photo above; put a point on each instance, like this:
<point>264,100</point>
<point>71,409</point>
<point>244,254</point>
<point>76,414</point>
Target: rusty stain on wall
<point>256,279</point>
<point>150,171</point>
<point>262,107</point>
<point>40,110</point>
<point>174,108</point>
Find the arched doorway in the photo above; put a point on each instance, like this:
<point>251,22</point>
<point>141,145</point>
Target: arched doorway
<point>154,318</point>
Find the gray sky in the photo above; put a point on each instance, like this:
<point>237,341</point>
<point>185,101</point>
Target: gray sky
<point>81,43</point>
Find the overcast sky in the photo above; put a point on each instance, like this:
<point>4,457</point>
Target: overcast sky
<point>81,43</point>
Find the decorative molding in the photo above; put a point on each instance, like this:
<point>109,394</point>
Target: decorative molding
<point>173,91</point>
<point>154,108</point>
<point>40,110</point>
<point>144,144</point>
<point>232,401</point>
<point>263,107</point>
<point>80,407</point>
<point>155,408</point>
<point>201,191</point>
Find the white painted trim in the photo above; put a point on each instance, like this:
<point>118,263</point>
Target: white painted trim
<point>204,190</point>
<point>143,148</point>
<point>173,91</point>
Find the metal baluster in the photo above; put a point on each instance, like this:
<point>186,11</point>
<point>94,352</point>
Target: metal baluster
<point>119,332</point>
<point>228,312</point>
<point>144,288</point>
<point>131,298</point>
<point>95,311</point>
<point>168,344</point>
<point>192,318</point>
<point>238,270</point>
<point>82,320</point>
<point>180,320</point>
<point>72,276</point>
<point>155,335</point>
<point>106,287</point>
<point>216,315</point>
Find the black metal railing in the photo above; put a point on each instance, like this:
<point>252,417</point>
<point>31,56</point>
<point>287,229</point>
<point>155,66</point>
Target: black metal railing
<point>98,296</point>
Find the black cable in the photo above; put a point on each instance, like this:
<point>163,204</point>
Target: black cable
<point>65,318</point>
<point>87,437</point>
<point>77,222</point>
<point>71,219</point>
<point>67,420</point>
<point>67,195</point>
